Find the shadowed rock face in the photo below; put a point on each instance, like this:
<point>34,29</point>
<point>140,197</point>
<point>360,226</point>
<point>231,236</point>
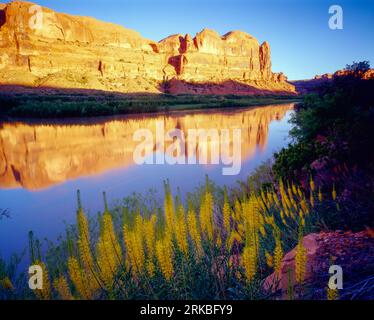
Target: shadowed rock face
<point>67,51</point>
<point>2,14</point>
<point>38,156</point>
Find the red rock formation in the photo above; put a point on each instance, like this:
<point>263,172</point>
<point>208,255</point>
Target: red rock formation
<point>81,52</point>
<point>312,85</point>
<point>354,252</point>
<point>368,75</point>
<point>265,64</point>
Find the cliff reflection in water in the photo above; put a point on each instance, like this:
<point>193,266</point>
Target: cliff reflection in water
<point>36,156</point>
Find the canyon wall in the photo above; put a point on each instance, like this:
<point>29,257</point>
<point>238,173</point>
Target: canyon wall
<point>50,49</point>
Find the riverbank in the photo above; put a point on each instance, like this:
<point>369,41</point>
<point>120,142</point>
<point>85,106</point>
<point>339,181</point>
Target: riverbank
<point>94,104</point>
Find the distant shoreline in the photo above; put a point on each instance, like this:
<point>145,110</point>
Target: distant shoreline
<point>77,106</point>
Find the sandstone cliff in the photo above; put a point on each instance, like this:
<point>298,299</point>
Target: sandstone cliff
<point>66,51</point>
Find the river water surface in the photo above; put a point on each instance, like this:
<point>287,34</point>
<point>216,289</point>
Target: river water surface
<point>43,164</point>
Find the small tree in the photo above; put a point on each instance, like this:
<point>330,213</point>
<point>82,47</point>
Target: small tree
<point>358,68</point>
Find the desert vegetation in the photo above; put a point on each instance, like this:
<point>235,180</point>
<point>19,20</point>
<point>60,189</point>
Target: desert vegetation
<point>214,245</point>
<point>332,131</point>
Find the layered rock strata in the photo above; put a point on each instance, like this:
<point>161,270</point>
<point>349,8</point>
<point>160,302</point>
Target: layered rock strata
<point>43,48</point>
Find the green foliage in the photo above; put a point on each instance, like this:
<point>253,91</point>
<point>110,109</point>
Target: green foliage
<point>12,283</point>
<point>332,133</point>
<point>262,177</point>
<point>85,105</point>
<point>295,158</point>
<point>358,67</point>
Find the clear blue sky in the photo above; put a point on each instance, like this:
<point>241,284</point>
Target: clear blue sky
<point>302,43</point>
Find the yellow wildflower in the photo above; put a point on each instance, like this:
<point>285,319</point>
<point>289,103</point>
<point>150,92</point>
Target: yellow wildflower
<point>206,215</point>
<point>6,283</point>
<point>300,262</point>
<point>62,287</point>
<point>312,200</point>
<point>84,241</point>
<point>226,213</point>
<point>333,193</point>
<point>84,246</point>
<point>238,210</point>
<point>150,234</point>
<point>80,279</point>
<point>294,190</point>
<point>194,232</point>
<point>135,250</point>
<point>45,292</point>
<point>150,268</point>
<point>278,254</point>
<point>181,230</point>
<point>276,200</point>
<point>164,254</point>
<point>109,253</point>
<point>300,193</point>
<point>219,241</point>
<point>332,294</point>
<point>169,208</point>
<point>311,184</point>
<point>234,237</point>
<point>304,206</point>
<point>249,260</point>
<point>269,259</point>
